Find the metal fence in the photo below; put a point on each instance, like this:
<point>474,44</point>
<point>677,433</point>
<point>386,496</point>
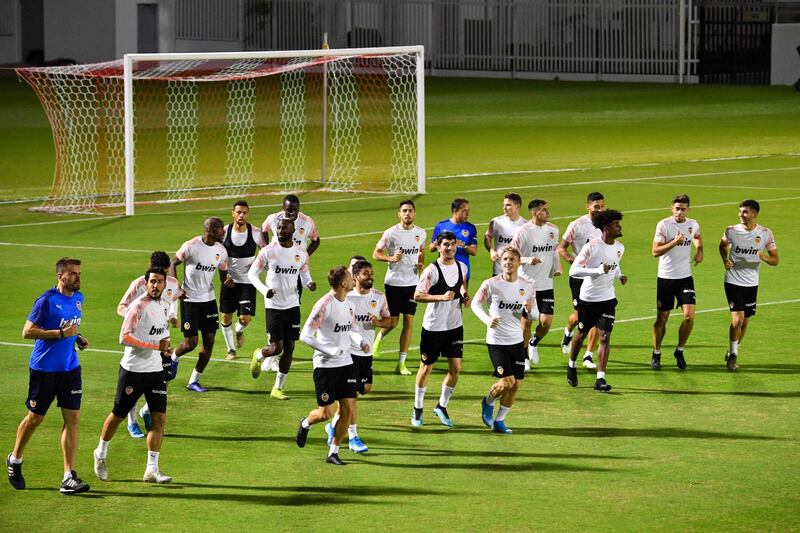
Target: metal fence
<point>572,39</point>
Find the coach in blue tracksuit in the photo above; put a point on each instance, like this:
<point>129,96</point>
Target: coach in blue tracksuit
<point>54,371</point>
<point>466,233</point>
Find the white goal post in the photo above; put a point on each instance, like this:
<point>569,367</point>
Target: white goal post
<point>171,127</point>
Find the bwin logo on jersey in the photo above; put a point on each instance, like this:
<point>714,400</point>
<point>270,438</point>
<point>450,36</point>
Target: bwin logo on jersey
<point>363,318</point>
<point>285,270</point>
<point>746,251</point>
<point>542,248</point>
<point>340,328</point>
<point>205,268</point>
<point>504,240</point>
<point>156,331</point>
<point>510,306</point>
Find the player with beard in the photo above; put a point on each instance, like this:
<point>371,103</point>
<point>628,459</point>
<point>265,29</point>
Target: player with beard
<point>286,265</point>
<point>598,265</point>
<point>202,256</point>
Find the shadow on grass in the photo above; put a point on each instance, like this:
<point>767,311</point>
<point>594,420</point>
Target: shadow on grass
<point>489,467</point>
<point>754,394</point>
<point>297,499</point>
<point>264,392</point>
<point>428,452</point>
<point>233,438</point>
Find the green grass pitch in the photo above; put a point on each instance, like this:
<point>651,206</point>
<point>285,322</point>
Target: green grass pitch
<point>699,450</point>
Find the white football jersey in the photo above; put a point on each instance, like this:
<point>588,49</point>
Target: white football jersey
<point>745,246</point>
<point>332,322</point>
<point>200,263</point>
<point>442,316</point>
<point>579,232</point>
<point>283,266</point>
<point>144,326</point>
<point>598,286</point>
<point>533,240</point>
<point>501,230</point>
<point>139,287</point>
<point>411,242</point>
<point>677,263</point>
<point>305,229</point>
<point>365,306</point>
<point>506,300</point>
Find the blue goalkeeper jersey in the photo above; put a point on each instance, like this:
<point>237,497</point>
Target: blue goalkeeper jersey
<point>465,232</point>
<point>53,310</point>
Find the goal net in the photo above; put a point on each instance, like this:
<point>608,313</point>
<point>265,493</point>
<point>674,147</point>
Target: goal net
<point>172,127</point>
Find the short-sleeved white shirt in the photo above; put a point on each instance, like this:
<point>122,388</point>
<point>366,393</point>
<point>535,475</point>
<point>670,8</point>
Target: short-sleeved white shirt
<point>305,229</point>
<point>579,232</point>
<point>745,246</point>
<point>442,316</point>
<point>333,322</point>
<point>283,266</point>
<point>533,240</point>
<point>411,242</point>
<point>139,287</point>
<point>676,263</point>
<point>501,230</point>
<point>201,262</point>
<point>600,288</point>
<point>506,300</point>
<point>365,306</point>
<point>144,326</point>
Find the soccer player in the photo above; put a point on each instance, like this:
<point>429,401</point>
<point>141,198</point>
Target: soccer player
<point>241,241</point>
<point>305,229</point>
<point>285,263</point>
<point>171,294</point>
<point>502,229</point>
<point>443,286</point>
<point>54,371</point>
<point>743,247</point>
<point>598,263</point>
<point>672,245</point>
<point>371,311</point>
<point>465,232</point>
<point>202,256</point>
<point>403,247</point>
<point>145,335</point>
<point>509,297</point>
<point>330,329</point>
<point>579,232</point>
<point>537,241</point>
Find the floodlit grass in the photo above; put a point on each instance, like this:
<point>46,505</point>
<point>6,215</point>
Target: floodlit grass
<point>702,450</point>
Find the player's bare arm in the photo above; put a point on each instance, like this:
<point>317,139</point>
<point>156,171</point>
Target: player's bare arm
<point>32,331</point>
<point>770,257</point>
<point>563,252</point>
<point>312,246</point>
<point>380,254</point>
<point>698,244</point>
<point>724,247</point>
<point>226,278</point>
<point>660,249</point>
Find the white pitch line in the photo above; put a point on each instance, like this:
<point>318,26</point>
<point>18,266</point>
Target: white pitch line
<point>415,348</point>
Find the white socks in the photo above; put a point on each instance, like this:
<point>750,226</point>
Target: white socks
<point>152,460</point>
<point>403,356</point>
<point>305,424</point>
<point>490,399</point>
<point>352,431</point>
<point>588,354</point>
<point>447,392</point>
<point>132,415</point>
<point>280,379</point>
<point>571,363</point>
<point>501,413</point>
<point>239,327</point>
<point>734,349</point>
<point>333,449</point>
<point>102,448</point>
<point>227,333</point>
<point>419,397</point>
<point>195,377</point>
<point>601,375</point>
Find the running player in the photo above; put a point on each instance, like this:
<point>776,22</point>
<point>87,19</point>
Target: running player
<point>285,263</point>
<point>537,241</point>
<point>171,294</point>
<point>598,263</point>
<point>743,247</point>
<point>509,297</point>
<point>672,245</point>
<point>54,372</point>
<point>465,232</point>
<point>579,232</point>
<point>305,229</point>
<point>241,241</point>
<point>371,311</point>
<point>502,229</point>
<point>443,286</point>
<point>403,247</point>
<point>331,329</point>
<point>145,335</point>
<point>202,256</point>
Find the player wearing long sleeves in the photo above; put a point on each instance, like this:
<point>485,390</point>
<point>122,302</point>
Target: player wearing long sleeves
<point>508,297</point>
<point>330,329</point>
<point>598,265</point>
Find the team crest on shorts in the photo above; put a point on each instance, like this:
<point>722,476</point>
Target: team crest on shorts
<point>580,325</point>
<point>128,390</point>
<point>424,357</point>
<point>730,304</point>
<point>78,305</point>
<point>658,304</point>
<point>186,325</point>
<point>500,370</point>
<point>574,302</point>
<point>32,403</point>
<point>324,396</point>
